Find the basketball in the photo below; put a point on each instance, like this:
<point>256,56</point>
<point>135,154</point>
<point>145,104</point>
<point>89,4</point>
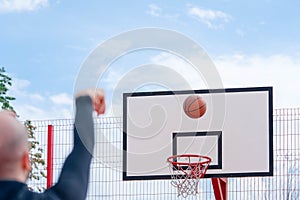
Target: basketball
<point>194,106</point>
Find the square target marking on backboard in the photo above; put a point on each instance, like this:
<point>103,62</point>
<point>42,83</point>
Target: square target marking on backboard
<point>201,143</point>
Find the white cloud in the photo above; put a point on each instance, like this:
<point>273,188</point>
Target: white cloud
<point>214,19</point>
<point>240,70</point>
<point>191,75</point>
<point>19,84</point>
<point>18,88</point>
<point>37,97</point>
<point>237,70</point>
<point>62,99</point>
<point>161,71</point>
<point>154,10</point>
<point>39,112</point>
<point>39,106</point>
<point>21,5</point>
<point>280,71</point>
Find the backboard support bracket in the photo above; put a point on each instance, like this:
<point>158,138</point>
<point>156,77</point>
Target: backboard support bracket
<point>220,187</point>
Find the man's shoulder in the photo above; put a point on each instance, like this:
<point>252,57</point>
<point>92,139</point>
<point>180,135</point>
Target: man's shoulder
<point>13,190</point>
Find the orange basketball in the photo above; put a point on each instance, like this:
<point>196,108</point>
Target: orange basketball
<point>194,106</point>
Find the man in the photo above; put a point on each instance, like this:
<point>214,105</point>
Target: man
<point>14,156</point>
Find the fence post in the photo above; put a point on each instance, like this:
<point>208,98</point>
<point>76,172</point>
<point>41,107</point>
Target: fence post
<point>50,157</point>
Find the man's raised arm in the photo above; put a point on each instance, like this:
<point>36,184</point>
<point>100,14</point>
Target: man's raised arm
<point>74,177</point>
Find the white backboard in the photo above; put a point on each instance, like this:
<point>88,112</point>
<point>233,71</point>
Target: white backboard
<point>236,132</point>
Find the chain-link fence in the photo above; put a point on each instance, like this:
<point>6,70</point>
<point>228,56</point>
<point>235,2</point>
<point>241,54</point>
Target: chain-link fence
<point>106,174</point>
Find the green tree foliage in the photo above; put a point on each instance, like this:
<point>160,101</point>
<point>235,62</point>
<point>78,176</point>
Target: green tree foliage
<point>36,156</point>
<point>5,82</point>
<point>36,152</point>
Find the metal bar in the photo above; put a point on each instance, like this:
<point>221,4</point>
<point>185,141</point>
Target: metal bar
<point>220,188</point>
<point>50,157</point>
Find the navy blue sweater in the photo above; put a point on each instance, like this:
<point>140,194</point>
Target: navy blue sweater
<point>73,180</point>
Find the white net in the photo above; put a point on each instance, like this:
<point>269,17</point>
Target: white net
<point>186,171</point>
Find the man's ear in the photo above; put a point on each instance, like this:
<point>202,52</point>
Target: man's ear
<point>26,165</point>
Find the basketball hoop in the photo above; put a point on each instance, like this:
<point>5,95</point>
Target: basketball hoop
<point>186,171</point>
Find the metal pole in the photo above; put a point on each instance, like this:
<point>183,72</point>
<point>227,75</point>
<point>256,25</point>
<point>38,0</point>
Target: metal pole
<point>220,188</point>
<point>50,157</point>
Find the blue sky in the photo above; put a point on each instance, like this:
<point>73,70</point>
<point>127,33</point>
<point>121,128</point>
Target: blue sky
<point>44,43</point>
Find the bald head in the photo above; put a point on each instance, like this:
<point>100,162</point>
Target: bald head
<point>13,145</point>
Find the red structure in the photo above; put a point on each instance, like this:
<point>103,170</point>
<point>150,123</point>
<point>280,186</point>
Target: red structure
<point>220,188</point>
<point>50,156</point>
